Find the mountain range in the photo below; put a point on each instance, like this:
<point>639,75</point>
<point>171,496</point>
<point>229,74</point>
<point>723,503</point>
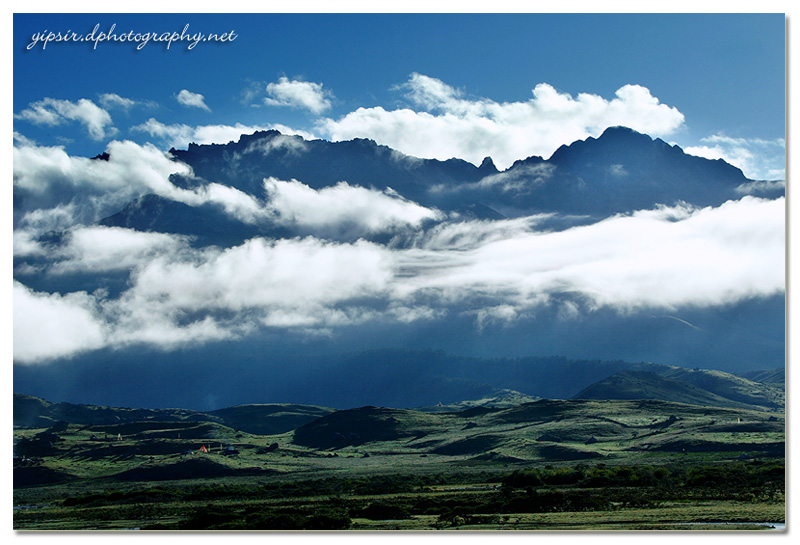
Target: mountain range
<point>437,332</point>
<point>618,172</point>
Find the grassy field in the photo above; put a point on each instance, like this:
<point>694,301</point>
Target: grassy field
<point>541,465</point>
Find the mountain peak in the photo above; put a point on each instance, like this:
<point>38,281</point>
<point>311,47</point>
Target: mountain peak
<point>487,165</point>
<point>612,139</point>
<point>619,131</point>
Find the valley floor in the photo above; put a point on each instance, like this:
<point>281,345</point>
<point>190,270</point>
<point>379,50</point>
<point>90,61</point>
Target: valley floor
<point>544,465</point>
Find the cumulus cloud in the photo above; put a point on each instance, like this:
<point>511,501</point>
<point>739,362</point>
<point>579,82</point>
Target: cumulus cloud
<point>56,192</point>
<point>450,125</point>
<point>192,100</point>
<point>52,112</point>
<point>232,201</point>
<point>758,159</point>
<point>662,258</point>
<point>45,177</point>
<point>48,326</point>
<point>285,283</point>
<point>98,249</point>
<point>305,95</point>
<point>287,273</point>
<point>495,271</point>
<point>342,208</point>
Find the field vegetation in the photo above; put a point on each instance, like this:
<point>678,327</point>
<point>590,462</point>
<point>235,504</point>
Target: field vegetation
<point>546,464</point>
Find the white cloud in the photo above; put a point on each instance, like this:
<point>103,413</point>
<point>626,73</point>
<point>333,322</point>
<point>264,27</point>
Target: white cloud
<point>298,94</point>
<point>283,142</point>
<point>48,326</point>
<point>473,128</point>
<point>759,187</point>
<point>495,271</point>
<point>59,191</point>
<point>468,235</point>
<point>286,130</point>
<point>51,111</point>
<point>193,296</point>
<point>663,258</point>
<point>300,281</point>
<point>43,220</point>
<point>233,202</point>
<point>179,135</point>
<point>23,140</point>
<point>342,208</point>
<point>98,249</point>
<point>112,100</point>
<point>40,169</point>
<point>521,180</point>
<point>50,184</point>
<point>192,100</point>
<point>758,159</point>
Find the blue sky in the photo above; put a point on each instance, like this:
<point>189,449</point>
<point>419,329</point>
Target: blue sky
<point>723,73</point>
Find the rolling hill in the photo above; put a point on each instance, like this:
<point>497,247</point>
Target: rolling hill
<point>33,412</point>
<point>692,386</point>
<point>768,376</point>
<point>269,419</point>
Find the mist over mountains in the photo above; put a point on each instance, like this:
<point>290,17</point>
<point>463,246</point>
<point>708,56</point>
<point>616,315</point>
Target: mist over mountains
<point>276,269</point>
<point>619,172</point>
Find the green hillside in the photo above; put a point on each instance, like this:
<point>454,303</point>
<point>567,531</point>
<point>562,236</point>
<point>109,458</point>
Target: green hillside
<point>269,419</point>
<point>498,399</point>
<point>33,412</point>
<point>421,470</point>
<point>692,386</point>
<point>769,376</point>
<point>731,386</point>
<point>544,430</point>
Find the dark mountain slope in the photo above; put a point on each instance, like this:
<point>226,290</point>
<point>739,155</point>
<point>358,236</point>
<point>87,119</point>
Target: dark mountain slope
<point>645,385</point>
<point>33,412</point>
<point>767,376</point>
<point>620,171</point>
<point>206,224</point>
<point>696,387</point>
<point>730,386</point>
<point>364,425</point>
<point>319,163</point>
<point>269,419</point>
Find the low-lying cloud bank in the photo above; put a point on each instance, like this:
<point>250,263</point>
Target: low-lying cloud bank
<point>56,191</point>
<point>497,271</point>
